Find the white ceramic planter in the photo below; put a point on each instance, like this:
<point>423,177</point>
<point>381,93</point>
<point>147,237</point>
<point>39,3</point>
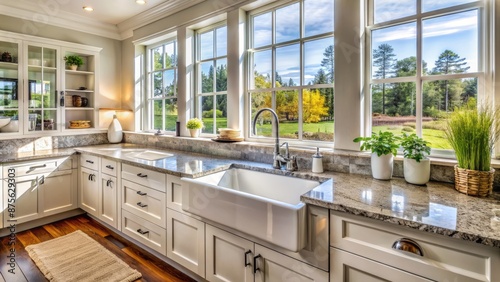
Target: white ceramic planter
<point>194,132</point>
<point>417,172</point>
<point>382,166</point>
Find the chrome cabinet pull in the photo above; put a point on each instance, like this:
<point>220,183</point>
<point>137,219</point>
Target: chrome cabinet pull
<point>407,245</point>
<point>89,161</point>
<point>142,175</point>
<point>110,167</point>
<point>140,231</point>
<point>141,193</point>
<point>35,167</point>
<point>246,256</point>
<point>141,205</point>
<point>255,268</point>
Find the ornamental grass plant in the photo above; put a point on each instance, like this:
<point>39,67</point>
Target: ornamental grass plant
<point>472,131</point>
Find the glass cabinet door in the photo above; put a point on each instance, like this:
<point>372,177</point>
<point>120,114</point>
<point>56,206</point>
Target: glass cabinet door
<point>42,88</point>
<point>10,88</point>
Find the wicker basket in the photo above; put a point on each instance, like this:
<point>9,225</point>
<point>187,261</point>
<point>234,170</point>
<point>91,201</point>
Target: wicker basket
<point>474,182</point>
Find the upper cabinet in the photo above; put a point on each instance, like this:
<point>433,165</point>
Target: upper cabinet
<point>80,87</point>
<point>39,92</point>
<point>10,86</point>
<point>41,84</point>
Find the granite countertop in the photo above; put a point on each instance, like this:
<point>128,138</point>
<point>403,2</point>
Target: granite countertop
<point>436,208</point>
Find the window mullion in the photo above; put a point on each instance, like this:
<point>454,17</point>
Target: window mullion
<point>419,83</point>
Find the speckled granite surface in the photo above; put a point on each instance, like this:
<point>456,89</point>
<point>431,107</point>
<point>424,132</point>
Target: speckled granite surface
<point>435,208</point>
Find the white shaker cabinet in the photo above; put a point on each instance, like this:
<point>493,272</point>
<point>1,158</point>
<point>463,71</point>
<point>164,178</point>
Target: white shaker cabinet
<point>233,258</point>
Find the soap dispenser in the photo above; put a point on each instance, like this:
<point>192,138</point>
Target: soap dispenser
<point>317,163</point>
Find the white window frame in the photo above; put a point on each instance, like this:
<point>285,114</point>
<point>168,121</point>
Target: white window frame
<point>299,88</point>
<point>484,87</point>
<point>149,97</point>
<point>198,82</point>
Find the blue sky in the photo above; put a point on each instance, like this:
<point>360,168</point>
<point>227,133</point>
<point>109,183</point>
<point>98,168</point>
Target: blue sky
<point>457,32</point>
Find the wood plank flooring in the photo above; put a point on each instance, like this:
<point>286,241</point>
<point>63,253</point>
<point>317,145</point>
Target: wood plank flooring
<point>152,268</point>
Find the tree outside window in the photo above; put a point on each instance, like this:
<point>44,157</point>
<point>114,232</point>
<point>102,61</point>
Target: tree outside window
<point>212,78</point>
<point>162,89</point>
<point>292,69</point>
<point>417,95</point>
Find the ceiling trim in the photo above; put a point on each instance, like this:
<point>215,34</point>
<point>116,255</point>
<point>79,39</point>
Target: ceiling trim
<point>72,21</point>
<point>63,19</point>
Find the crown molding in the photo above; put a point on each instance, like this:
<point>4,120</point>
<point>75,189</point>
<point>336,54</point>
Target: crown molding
<point>158,12</point>
<point>121,31</point>
<point>63,19</point>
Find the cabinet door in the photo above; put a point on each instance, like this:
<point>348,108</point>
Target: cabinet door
<point>273,266</point>
<point>89,191</point>
<point>228,257</point>
<point>26,205</point>
<point>348,267</point>
<point>42,88</point>
<point>10,88</point>
<point>58,193</point>
<point>107,200</point>
<point>174,193</point>
<point>186,241</point>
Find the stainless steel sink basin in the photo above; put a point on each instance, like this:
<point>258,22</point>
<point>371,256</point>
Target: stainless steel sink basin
<point>261,204</point>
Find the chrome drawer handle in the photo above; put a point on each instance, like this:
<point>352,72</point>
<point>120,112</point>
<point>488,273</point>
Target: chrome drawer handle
<point>141,193</point>
<point>90,162</point>
<point>408,245</point>
<point>110,167</point>
<point>142,175</point>
<point>141,205</point>
<point>36,166</point>
<point>142,232</point>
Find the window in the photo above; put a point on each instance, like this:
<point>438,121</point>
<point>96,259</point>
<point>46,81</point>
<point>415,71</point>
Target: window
<point>162,90</point>
<point>426,60</point>
<point>291,69</point>
<point>211,90</point>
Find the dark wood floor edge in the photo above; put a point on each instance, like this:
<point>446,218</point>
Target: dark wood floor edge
<point>147,249</point>
<point>42,221</point>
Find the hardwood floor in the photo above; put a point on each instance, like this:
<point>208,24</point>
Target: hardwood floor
<point>152,268</point>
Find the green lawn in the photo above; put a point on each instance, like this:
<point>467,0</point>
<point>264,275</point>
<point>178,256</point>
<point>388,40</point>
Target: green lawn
<point>435,137</point>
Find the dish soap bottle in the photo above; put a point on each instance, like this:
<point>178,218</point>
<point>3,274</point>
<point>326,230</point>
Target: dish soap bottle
<point>317,163</point>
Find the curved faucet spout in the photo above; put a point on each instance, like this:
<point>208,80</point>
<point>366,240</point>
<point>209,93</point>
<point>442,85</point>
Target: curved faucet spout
<point>276,129</point>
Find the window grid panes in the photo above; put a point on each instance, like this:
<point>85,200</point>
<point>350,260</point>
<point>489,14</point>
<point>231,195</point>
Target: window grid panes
<point>211,90</point>
<point>424,63</point>
<point>162,88</point>
<point>291,69</point>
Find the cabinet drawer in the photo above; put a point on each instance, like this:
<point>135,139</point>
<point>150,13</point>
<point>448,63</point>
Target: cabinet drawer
<point>444,259</point>
<point>89,161</point>
<point>109,167</point>
<point>352,268</point>
<point>145,232</point>
<point>143,176</point>
<point>36,167</point>
<point>144,202</point>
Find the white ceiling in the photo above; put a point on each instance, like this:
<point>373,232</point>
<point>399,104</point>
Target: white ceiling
<point>111,18</point>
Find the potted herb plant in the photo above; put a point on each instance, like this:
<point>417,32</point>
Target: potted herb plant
<point>73,61</point>
<point>472,132</point>
<point>416,165</point>
<point>194,125</point>
<point>383,146</point>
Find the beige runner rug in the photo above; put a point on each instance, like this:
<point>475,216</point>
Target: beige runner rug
<point>77,257</point>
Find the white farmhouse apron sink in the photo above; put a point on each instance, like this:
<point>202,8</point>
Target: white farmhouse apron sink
<point>260,204</point>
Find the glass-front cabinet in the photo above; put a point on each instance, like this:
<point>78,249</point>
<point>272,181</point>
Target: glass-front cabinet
<point>40,92</point>
<point>42,84</point>
<point>10,88</point>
